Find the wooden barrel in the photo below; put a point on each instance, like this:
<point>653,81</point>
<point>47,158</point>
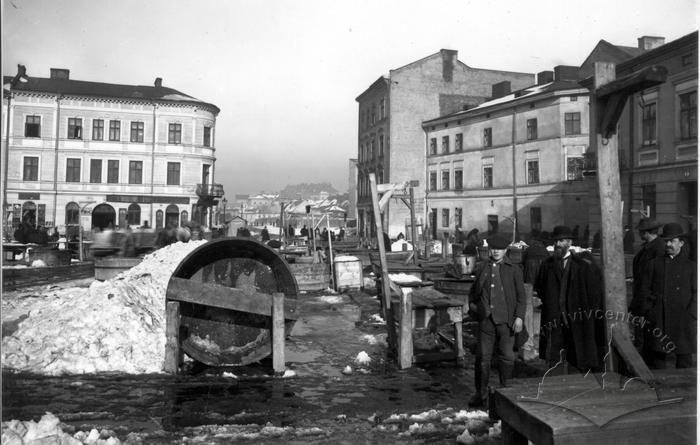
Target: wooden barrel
<point>217,336</point>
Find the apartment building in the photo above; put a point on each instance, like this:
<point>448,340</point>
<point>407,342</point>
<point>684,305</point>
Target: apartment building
<point>512,164</point>
<point>91,154</point>
<point>391,143</point>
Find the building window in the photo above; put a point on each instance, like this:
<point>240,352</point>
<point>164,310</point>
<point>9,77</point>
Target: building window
<point>433,180</point>
<point>445,180</point>
<point>433,146</point>
<point>207,137</point>
<point>75,128</point>
<point>574,168</point>
<point>458,217</point>
<point>535,219</point>
<point>531,129</point>
<point>573,98</point>
<point>458,179</point>
<point>374,114</point>
<point>649,124</point>
<point>184,217</point>
<point>381,146</point>
<point>159,219</point>
<point>115,128</point>
<point>133,215</point>
<point>687,59</point>
<point>137,132</point>
<point>445,144</point>
<point>98,130</point>
<point>488,141</point>
<point>31,169</point>
<point>73,170</point>
<point>135,172</point>
<point>32,127</point>
<point>572,123</point>
<point>173,173</point>
<point>458,142</point>
<point>488,176</point>
<point>689,115</point>
<point>533,171</point>
<point>72,214</point>
<point>649,199</point>
<point>382,108</point>
<point>445,217</point>
<point>95,171</point>
<point>492,224</point>
<point>174,133</point>
<point>112,171</point>
<point>372,154</point>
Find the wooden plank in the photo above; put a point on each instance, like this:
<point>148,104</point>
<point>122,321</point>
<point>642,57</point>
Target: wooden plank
<point>385,200</point>
<point>406,332</point>
<point>184,290</point>
<point>171,363</point>
<point>278,332</point>
<point>623,345</point>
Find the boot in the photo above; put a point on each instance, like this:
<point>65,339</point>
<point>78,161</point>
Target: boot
<point>481,381</point>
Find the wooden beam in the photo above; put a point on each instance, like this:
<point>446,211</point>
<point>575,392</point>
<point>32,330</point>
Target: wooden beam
<point>406,331</point>
<point>171,362</point>
<point>278,332</point>
<point>385,200</point>
<point>189,291</point>
<point>623,345</point>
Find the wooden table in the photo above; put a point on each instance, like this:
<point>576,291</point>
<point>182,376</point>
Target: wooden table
<point>573,409</point>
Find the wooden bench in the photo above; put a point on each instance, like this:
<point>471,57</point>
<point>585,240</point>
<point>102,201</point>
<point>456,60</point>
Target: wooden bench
<point>571,410</point>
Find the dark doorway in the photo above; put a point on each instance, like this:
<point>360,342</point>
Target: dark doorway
<point>103,215</point>
<point>172,215</point>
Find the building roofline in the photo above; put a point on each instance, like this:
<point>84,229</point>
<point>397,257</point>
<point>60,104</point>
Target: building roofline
<point>680,42</point>
<point>376,83</point>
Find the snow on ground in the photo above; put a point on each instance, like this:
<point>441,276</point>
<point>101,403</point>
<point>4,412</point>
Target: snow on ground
<point>116,326</point>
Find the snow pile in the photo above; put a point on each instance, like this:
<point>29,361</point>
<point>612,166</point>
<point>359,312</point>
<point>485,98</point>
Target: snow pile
<point>49,431</point>
<point>331,299</point>
<point>362,358</point>
<point>112,326</point>
<point>403,278</point>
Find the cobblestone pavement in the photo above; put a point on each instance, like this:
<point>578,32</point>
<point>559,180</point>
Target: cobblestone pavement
<point>320,404</point>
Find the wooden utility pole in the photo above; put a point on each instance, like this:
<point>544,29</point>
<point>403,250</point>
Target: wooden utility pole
<point>608,99</point>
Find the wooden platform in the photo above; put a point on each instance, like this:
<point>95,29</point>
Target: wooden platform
<point>35,276</point>
<point>573,409</point>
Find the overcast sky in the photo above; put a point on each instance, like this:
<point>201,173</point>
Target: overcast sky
<point>285,73</point>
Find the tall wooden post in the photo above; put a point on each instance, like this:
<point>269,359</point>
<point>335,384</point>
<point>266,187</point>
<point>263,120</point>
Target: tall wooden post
<point>386,290</point>
<point>278,333</point>
<point>414,239</point>
<point>611,216</point>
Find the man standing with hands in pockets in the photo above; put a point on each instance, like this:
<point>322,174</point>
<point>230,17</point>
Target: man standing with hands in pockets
<point>498,299</point>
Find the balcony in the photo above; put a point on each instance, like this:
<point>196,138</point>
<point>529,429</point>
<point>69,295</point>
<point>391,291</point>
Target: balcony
<point>210,190</point>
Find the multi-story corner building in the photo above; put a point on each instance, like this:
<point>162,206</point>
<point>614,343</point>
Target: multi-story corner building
<point>517,158</point>
<point>658,137</point>
<point>391,143</point>
<point>90,154</point>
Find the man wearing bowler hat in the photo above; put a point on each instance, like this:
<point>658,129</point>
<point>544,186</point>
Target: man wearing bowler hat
<point>570,292</point>
<point>652,246</point>
<point>669,303</point>
<point>498,300</point>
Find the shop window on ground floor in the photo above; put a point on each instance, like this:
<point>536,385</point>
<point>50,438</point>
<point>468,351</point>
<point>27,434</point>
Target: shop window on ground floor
<point>159,219</point>
<point>492,221</point>
<point>134,214</point>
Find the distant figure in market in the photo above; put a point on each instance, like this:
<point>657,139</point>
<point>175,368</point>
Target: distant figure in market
<point>387,242</point>
<point>243,231</point>
<point>341,234</point>
<point>669,303</point>
<point>569,290</point>
<point>264,234</point>
<point>290,231</point>
<point>304,231</point>
<point>498,299</point>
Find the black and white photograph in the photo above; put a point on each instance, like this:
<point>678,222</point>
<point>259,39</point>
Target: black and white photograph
<point>349,222</point>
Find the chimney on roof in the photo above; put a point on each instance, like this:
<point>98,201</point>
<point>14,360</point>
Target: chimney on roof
<point>449,60</point>
<point>565,72</point>
<point>649,42</point>
<point>500,89</point>
<point>159,82</point>
<point>60,73</point>
<point>544,77</point>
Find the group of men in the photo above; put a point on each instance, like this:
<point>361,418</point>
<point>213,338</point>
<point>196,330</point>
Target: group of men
<point>570,286</point>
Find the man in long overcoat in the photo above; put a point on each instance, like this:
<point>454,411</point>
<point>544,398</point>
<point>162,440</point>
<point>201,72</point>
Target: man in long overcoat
<point>652,246</point>
<point>570,295</point>
<point>498,300</point>
<point>669,303</point>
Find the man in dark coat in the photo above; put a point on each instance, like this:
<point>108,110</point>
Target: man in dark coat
<point>498,300</point>
<point>669,303</point>
<point>570,295</point>
<point>264,234</point>
<point>652,246</point>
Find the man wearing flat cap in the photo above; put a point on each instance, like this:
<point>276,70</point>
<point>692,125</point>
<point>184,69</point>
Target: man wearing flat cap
<point>652,246</point>
<point>668,294</point>
<point>569,290</point>
<point>498,300</point>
